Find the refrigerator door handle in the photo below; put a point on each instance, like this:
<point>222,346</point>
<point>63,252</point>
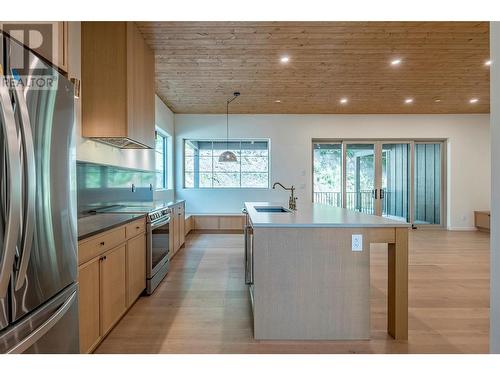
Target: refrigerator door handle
<point>13,219</point>
<point>38,333</point>
<point>30,178</point>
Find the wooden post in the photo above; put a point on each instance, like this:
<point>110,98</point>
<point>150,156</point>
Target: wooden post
<point>397,290</point>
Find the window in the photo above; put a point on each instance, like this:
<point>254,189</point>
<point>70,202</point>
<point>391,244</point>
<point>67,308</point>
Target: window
<point>161,160</point>
<point>202,168</point>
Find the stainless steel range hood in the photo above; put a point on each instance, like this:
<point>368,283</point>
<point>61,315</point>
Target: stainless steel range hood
<point>120,142</point>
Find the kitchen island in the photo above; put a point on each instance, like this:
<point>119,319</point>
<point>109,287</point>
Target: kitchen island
<point>309,271</point>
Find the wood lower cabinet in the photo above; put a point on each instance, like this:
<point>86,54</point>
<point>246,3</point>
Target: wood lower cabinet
<point>89,305</point>
<point>482,220</point>
<point>182,225</point>
<point>110,282</point>
<point>136,268</point>
<point>175,230</point>
<point>113,287</point>
<point>188,224</point>
<point>221,223</point>
<point>177,227</point>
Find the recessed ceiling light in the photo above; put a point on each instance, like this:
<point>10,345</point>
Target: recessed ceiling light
<point>396,62</point>
<point>409,100</point>
<point>437,100</point>
<point>343,101</point>
<point>285,59</point>
<point>487,62</point>
<point>277,101</point>
<point>473,100</point>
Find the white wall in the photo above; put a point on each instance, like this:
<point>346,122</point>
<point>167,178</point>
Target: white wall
<point>164,119</point>
<point>495,188</point>
<point>90,151</point>
<point>467,136</point>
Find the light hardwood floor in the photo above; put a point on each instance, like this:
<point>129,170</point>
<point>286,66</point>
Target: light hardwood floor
<point>202,305</point>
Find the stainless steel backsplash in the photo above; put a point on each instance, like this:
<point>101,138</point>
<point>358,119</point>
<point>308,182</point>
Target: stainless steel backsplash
<point>103,185</point>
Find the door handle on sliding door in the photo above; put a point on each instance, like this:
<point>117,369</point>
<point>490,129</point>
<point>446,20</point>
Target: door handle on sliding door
<point>374,193</point>
<point>30,180</point>
<point>13,219</point>
<point>382,194</point>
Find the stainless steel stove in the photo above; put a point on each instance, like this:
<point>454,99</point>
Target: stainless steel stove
<point>157,237</point>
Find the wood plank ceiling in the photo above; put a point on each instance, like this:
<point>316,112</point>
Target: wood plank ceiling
<point>200,64</point>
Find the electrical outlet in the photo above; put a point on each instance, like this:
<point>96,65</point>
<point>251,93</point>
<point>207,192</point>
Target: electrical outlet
<point>357,242</point>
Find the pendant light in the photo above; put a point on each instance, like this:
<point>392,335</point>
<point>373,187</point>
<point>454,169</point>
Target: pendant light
<point>228,156</point>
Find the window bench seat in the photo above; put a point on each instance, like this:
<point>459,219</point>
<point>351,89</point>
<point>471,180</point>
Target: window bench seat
<point>214,223</point>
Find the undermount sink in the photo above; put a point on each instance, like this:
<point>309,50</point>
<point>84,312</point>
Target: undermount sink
<point>272,209</point>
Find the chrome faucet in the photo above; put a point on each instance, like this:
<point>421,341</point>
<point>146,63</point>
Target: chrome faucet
<point>292,201</point>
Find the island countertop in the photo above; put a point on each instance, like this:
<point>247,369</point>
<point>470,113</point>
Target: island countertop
<point>316,215</point>
<point>308,272</point>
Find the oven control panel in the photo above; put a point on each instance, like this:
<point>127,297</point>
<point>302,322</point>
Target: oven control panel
<point>158,214</point>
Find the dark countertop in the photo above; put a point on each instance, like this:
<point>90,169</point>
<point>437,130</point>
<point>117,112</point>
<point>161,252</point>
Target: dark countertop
<point>91,225</point>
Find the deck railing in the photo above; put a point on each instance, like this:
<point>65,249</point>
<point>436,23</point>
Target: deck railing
<point>332,198</point>
<point>361,201</point>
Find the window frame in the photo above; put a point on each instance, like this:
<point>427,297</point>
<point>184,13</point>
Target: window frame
<point>160,132</point>
<point>268,140</point>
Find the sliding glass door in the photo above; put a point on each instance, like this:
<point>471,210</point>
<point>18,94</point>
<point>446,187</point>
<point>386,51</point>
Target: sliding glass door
<point>360,177</point>
<point>394,192</point>
<point>327,172</point>
<point>397,180</point>
<point>427,183</point>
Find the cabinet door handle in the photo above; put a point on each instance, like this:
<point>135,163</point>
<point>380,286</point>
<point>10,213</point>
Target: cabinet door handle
<point>102,243</point>
<point>137,227</point>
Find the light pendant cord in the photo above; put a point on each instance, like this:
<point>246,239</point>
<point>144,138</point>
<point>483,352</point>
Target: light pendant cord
<point>235,95</point>
<point>227,124</point>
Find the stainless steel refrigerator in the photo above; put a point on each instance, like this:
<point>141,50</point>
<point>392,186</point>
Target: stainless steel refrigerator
<point>38,236</point>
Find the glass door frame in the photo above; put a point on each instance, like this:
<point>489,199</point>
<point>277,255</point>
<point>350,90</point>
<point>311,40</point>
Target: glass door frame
<point>376,177</point>
<point>411,173</point>
<point>378,144</point>
<point>443,199</point>
<point>342,162</point>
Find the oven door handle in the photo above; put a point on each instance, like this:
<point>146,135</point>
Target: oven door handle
<point>159,223</point>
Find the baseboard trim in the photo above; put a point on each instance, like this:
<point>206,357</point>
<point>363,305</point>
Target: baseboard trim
<point>216,231</point>
<point>462,229</point>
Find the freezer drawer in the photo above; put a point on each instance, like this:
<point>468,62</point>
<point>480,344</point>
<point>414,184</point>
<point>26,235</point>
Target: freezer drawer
<point>52,328</point>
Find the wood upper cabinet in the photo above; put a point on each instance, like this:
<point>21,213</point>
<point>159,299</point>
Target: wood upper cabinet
<point>53,35</point>
<point>117,87</point>
<point>136,267</point>
<point>88,304</point>
<point>113,287</point>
